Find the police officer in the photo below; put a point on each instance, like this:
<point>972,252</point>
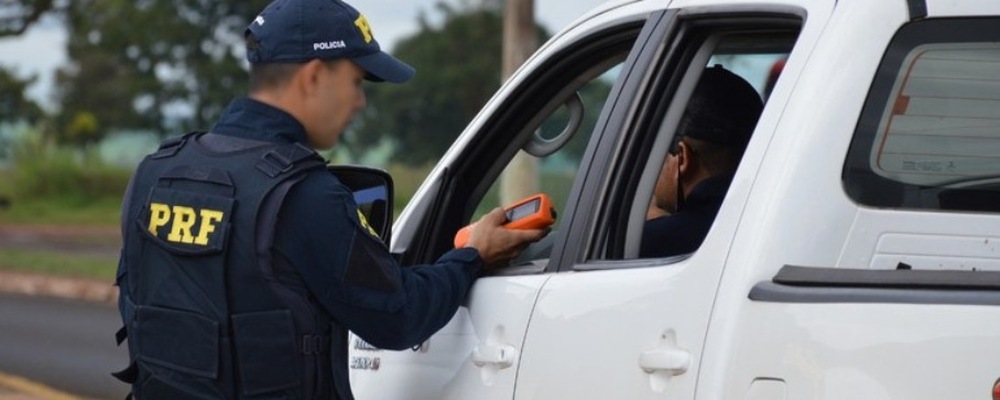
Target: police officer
<point>711,136</point>
<point>245,262</point>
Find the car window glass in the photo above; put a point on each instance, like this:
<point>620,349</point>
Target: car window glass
<point>941,125</point>
<point>929,136</point>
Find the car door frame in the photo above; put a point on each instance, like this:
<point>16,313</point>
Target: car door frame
<point>445,202</point>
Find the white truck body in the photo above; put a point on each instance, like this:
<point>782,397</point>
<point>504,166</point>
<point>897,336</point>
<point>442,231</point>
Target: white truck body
<point>855,255</point>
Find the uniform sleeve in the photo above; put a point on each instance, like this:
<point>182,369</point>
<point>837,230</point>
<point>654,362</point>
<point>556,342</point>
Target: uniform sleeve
<point>355,278</point>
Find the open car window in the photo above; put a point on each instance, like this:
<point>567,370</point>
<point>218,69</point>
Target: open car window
<point>752,47</point>
<point>552,171</point>
<point>755,56</point>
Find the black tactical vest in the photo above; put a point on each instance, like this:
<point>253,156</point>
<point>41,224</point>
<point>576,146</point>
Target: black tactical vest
<point>208,313</point>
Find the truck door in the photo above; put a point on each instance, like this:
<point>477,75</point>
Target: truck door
<point>549,109</point>
<point>610,324</point>
<point>885,286</point>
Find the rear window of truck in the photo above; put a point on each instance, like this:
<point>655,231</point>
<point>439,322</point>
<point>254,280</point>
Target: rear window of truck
<point>929,133</point>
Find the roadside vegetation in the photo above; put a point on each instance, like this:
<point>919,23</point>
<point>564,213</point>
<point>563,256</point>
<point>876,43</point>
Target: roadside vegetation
<point>54,185</point>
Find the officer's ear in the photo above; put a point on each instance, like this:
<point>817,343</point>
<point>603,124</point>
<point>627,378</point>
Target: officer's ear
<point>310,76</point>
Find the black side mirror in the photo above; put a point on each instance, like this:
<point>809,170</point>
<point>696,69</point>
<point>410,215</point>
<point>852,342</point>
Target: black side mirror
<point>373,192</point>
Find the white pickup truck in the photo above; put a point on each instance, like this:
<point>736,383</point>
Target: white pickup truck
<point>855,255</point>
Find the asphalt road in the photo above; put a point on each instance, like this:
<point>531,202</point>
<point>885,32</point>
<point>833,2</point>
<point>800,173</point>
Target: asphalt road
<point>67,345</point>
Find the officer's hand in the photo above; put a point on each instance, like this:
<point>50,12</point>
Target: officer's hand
<point>496,244</point>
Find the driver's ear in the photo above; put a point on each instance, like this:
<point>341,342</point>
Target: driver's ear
<point>685,157</point>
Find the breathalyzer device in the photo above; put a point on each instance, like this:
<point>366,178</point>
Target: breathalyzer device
<point>534,212</point>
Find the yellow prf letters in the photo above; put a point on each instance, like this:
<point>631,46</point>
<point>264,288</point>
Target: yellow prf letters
<point>183,219</point>
<point>366,30</point>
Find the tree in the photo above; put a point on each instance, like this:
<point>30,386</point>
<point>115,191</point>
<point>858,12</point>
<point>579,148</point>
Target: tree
<point>14,106</point>
<point>520,39</point>
<point>16,16</point>
<point>458,70</point>
<point>162,65</point>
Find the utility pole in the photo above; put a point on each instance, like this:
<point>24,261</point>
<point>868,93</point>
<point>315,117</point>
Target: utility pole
<point>520,40</point>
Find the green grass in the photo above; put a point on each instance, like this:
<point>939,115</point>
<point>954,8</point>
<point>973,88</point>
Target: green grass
<point>55,211</point>
<point>47,262</point>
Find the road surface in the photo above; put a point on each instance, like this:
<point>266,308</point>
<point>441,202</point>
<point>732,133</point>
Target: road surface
<point>65,344</point>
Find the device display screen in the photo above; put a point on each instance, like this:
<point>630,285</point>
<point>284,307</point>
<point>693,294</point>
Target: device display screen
<point>523,210</point>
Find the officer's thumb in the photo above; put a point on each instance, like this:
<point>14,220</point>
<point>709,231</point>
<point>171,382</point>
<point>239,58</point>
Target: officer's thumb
<point>495,217</point>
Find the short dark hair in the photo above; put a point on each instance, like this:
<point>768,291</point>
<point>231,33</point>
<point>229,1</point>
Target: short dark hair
<point>269,76</point>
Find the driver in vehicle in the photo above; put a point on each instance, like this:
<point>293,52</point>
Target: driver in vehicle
<point>694,178</point>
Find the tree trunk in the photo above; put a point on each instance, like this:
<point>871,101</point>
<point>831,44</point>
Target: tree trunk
<point>520,39</point>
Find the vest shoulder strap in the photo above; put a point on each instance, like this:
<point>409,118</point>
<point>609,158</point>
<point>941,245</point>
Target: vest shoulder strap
<point>281,160</point>
<point>170,146</point>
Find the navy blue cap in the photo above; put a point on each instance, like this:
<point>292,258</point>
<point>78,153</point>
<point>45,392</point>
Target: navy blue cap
<point>723,109</point>
<point>297,31</point>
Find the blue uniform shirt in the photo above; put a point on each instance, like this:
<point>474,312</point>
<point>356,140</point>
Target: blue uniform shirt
<point>683,231</point>
<point>348,270</point>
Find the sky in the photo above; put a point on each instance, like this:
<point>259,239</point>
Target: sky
<point>42,49</point>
